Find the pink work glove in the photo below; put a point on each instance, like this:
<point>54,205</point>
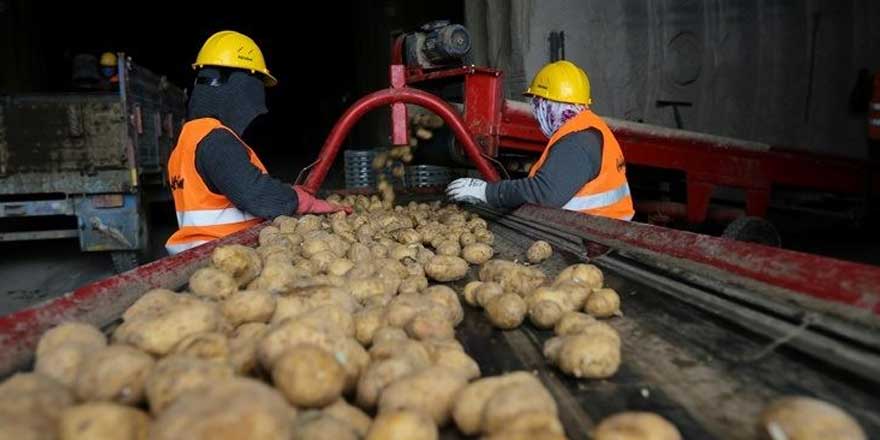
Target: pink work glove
<point>309,204</point>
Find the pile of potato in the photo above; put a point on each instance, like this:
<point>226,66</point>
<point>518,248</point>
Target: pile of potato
<point>330,328</point>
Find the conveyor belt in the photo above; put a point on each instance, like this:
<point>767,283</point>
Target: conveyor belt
<point>679,359</point>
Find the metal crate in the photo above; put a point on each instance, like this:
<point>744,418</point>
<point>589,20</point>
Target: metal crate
<point>427,176</point>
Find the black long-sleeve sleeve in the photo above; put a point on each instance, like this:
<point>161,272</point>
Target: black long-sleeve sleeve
<point>573,161</point>
<point>223,163</point>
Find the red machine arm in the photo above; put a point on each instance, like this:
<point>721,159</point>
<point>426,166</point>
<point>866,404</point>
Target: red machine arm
<point>390,96</point>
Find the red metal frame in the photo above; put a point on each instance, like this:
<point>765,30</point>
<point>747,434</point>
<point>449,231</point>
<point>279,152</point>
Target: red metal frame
<point>396,96</point>
<point>707,161</point>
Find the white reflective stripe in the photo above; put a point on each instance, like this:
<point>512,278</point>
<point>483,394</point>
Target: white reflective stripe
<point>874,122</point>
<point>627,217</point>
<point>211,217</point>
<point>875,106</point>
<point>593,201</point>
<point>174,249</point>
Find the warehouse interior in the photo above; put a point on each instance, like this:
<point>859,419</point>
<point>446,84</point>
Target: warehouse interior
<point>750,132</point>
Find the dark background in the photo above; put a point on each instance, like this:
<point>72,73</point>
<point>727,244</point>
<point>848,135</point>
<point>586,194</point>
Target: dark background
<point>326,55</point>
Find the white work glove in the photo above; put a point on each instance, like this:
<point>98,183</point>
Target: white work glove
<point>467,190</point>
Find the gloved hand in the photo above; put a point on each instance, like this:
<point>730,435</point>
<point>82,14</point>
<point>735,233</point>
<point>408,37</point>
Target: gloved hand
<point>309,204</point>
<point>467,190</point>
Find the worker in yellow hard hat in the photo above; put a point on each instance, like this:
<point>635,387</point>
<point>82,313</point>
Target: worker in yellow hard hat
<point>581,169</point>
<point>219,184</point>
<point>109,64</point>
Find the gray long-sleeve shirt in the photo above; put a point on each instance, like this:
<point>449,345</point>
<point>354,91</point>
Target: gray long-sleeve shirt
<point>224,165</point>
<point>574,160</point>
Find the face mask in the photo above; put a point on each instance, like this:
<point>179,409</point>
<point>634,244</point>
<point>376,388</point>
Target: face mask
<point>551,115</point>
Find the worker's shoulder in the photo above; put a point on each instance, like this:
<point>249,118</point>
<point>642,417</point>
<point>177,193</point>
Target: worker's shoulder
<point>220,144</point>
<point>587,137</point>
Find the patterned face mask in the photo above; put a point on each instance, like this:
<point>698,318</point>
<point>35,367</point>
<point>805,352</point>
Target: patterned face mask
<point>552,114</point>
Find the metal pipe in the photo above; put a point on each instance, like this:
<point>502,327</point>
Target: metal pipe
<point>386,97</point>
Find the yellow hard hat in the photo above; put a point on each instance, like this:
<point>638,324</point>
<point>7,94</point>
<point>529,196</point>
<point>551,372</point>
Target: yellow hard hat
<point>235,50</point>
<point>108,59</point>
<point>561,81</point>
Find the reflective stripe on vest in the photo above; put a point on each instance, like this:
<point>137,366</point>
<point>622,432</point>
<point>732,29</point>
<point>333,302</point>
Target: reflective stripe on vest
<point>210,217</point>
<point>608,194</point>
<point>593,201</point>
<point>202,215</point>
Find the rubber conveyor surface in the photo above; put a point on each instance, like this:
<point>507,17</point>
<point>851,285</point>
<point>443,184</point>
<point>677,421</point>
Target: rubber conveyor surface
<point>682,362</point>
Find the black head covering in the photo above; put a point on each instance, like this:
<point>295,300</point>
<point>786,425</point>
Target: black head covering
<point>235,97</point>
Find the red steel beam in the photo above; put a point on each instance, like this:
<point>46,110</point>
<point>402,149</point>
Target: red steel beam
<point>102,302</point>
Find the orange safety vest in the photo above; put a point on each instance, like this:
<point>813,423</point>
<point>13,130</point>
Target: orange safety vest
<point>608,194</point>
<point>202,215</point>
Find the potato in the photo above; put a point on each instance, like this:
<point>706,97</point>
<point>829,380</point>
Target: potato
<point>590,355</point>
<point>456,360</point>
<point>603,303</point>
<point>469,292</point>
<point>806,418</point>
<point>487,291</point>
<point>379,375</point>
<point>577,293</point>
<point>379,250</point>
<point>116,373</point>
<point>352,416</point>
<point>635,425</point>
<point>484,236</point>
<point>103,421</point>
<point>212,283</point>
<point>512,401</point>
<point>330,318</point>
<point>308,376</point>
<point>322,261</point>
<point>403,308</point>
<point>270,235</point>
<point>210,346</point>
<point>513,277</point>
<point>63,363</point>
<point>415,351</point>
<point>276,254</point>
<point>289,307</point>
<point>585,274</point>
<point>424,256</point>
<point>359,252</point>
<point>466,239</point>
<point>430,391</point>
<point>230,410</point>
<point>26,427</point>
<point>547,305</point>
<point>407,236</point>
<point>177,374</point>
<point>531,426</point>
<point>506,311</point>
<point>402,425</point>
<point>389,334</point>
<point>290,333</point>
<point>241,262</point>
<point>471,401</point>
<point>243,342</point>
<point>444,268</point>
<point>539,251</point>
<point>413,284</point>
<point>308,223</point>
<point>572,323</point>
<point>445,298</point>
<point>25,395</point>
<point>448,247</point>
<point>277,278</point>
<point>151,302</point>
<point>340,266</point>
<point>430,324</point>
<point>362,289</point>
<point>366,322</point>
<point>477,253</point>
<point>158,333</point>
<point>248,306</point>
<point>315,425</point>
<point>80,333</point>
